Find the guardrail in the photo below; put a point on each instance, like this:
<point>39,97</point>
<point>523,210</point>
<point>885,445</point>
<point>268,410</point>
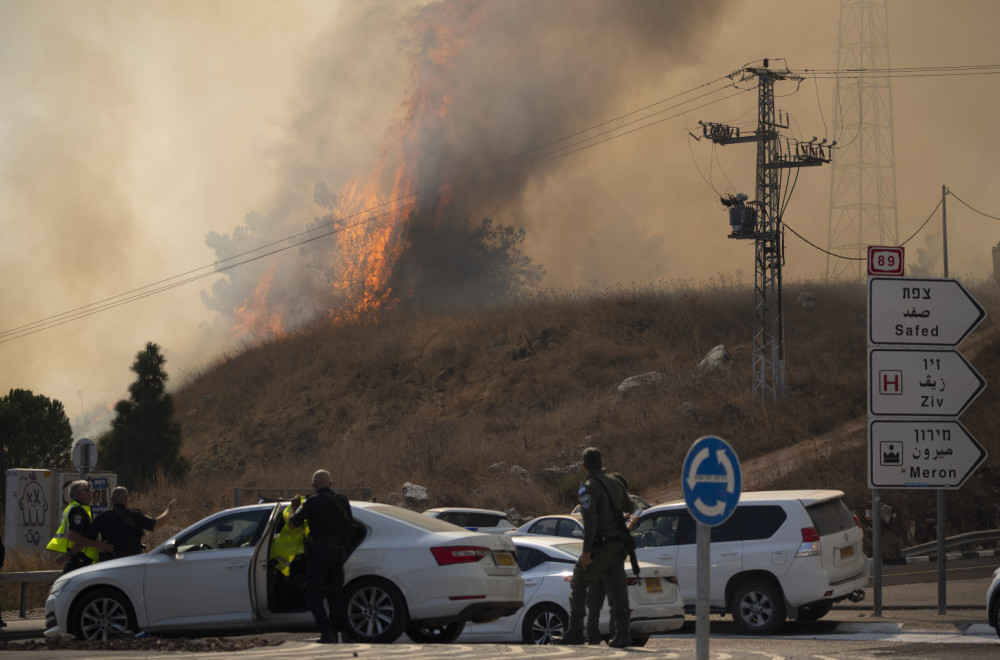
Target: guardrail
<point>956,541</point>
<point>265,494</point>
<point>24,577</point>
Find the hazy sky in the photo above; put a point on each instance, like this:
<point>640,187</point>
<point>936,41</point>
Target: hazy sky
<point>140,141</point>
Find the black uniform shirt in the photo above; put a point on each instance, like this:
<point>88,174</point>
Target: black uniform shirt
<point>327,519</point>
<point>79,520</point>
<point>114,526</point>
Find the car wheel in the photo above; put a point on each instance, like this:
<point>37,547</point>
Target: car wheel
<point>995,613</point>
<point>376,611</point>
<point>758,607</point>
<point>419,634</point>
<point>103,614</point>
<point>814,611</point>
<point>543,622</point>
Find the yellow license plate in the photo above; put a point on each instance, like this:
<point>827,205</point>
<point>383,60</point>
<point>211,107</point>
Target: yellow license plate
<point>504,559</point>
<point>847,553</point>
<point>653,586</point>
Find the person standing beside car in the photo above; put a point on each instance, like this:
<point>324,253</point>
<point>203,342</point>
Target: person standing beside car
<point>603,502</point>
<point>595,592</point>
<point>329,517</point>
<point>71,537</point>
<point>123,527</point>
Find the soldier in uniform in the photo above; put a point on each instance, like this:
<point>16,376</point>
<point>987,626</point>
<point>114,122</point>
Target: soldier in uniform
<point>71,537</point>
<point>329,517</point>
<point>603,502</point>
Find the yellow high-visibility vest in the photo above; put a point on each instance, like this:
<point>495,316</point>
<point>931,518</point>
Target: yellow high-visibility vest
<point>61,543</point>
<point>289,544</point>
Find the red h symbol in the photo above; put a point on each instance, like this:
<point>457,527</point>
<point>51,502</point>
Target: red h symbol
<point>890,382</point>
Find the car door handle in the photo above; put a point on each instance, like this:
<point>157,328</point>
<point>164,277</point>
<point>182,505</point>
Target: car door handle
<point>531,583</point>
<point>237,565</point>
<point>728,554</point>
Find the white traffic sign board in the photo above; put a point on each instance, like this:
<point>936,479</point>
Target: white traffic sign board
<point>914,311</point>
<point>921,383</point>
<point>921,454</point>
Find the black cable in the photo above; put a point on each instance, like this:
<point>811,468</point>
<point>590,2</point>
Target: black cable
<point>986,215</point>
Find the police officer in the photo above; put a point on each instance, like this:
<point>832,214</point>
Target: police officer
<point>329,517</point>
<point>123,527</point>
<point>603,502</point>
<point>71,537</point>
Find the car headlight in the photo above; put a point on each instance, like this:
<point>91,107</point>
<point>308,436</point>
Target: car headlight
<point>57,587</point>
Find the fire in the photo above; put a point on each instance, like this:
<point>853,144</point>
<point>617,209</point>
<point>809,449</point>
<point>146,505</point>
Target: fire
<point>254,318</point>
<point>374,211</point>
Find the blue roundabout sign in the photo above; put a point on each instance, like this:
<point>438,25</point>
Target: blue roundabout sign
<point>712,481</point>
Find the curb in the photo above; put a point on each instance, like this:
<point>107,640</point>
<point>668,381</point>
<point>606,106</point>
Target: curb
<point>951,556</point>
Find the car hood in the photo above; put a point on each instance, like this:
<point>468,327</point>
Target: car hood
<point>100,567</point>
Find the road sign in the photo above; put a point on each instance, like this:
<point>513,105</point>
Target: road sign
<point>885,261</point>
<point>921,383</point>
<point>711,480</point>
<point>921,454</point>
<point>84,455</point>
<point>905,310</point>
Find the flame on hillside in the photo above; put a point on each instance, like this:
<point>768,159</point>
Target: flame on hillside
<point>373,212</point>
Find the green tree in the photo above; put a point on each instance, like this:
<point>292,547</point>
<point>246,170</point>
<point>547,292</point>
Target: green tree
<point>144,438</point>
<point>34,433</point>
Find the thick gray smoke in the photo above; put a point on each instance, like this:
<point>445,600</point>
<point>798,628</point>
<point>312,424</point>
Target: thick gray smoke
<point>437,93</point>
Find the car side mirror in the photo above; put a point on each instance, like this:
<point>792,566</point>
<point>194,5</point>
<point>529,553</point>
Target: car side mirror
<point>578,533</point>
<point>170,549</point>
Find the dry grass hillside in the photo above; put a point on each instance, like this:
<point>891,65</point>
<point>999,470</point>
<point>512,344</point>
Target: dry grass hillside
<point>458,402</point>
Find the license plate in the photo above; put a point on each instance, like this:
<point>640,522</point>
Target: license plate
<point>653,586</point>
<point>847,552</point>
<point>504,559</point>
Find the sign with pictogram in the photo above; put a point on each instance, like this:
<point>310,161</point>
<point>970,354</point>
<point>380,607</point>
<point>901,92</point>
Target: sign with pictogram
<point>923,312</point>
<point>711,480</point>
<point>921,383</point>
<point>922,454</point>
<point>884,261</point>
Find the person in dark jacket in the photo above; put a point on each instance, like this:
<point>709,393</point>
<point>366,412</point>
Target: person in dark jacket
<point>123,527</point>
<point>329,517</point>
<point>603,502</point>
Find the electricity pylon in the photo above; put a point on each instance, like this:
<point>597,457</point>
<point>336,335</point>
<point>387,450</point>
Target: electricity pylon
<point>760,220</point>
<point>863,177</point>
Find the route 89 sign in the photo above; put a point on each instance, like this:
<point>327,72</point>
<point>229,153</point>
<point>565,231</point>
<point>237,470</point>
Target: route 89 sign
<point>711,480</point>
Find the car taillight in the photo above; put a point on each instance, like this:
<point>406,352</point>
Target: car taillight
<point>810,543</point>
<point>856,520</point>
<point>458,554</point>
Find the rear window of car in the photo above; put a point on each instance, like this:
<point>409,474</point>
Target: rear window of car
<point>831,517</point>
<point>427,523</point>
<point>760,522</point>
<point>474,519</point>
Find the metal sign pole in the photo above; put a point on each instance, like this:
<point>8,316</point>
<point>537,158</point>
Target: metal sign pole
<point>704,539</point>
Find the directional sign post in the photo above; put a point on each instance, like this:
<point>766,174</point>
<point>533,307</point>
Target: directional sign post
<point>924,383</point>
<point>712,483</point>
<point>922,454</point>
<point>925,312</point>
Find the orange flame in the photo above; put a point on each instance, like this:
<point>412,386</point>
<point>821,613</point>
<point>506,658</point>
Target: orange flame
<point>255,318</point>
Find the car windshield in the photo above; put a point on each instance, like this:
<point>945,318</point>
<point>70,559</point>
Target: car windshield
<point>426,523</point>
<point>574,548</point>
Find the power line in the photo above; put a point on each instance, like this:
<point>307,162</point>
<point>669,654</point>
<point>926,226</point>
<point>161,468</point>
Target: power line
<point>611,129</point>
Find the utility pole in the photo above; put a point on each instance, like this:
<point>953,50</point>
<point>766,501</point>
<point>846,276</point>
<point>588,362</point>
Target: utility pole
<point>760,220</point>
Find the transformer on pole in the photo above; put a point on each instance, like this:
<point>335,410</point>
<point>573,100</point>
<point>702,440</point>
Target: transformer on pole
<point>760,220</point>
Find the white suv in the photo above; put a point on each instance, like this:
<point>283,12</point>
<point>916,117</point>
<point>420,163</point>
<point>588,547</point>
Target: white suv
<point>786,553</point>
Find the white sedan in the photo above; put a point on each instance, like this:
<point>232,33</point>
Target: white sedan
<point>547,565</point>
<point>568,525</point>
<point>406,573</point>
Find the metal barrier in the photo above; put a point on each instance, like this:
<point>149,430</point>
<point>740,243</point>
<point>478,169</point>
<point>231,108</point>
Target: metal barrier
<point>25,577</point>
<point>273,494</point>
<point>956,541</point>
